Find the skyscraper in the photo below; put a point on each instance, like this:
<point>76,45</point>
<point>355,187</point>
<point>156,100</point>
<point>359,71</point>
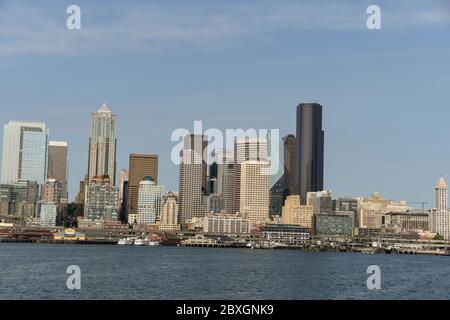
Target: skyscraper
<point>101,200</point>
<point>25,152</point>
<point>246,149</point>
<point>193,178</point>
<point>254,191</point>
<point>169,214</point>
<point>140,166</point>
<point>225,179</point>
<point>102,145</point>
<point>58,165</point>
<point>440,216</point>
<point>310,149</point>
<point>289,143</point>
<point>151,201</point>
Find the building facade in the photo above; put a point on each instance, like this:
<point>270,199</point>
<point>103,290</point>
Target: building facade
<point>440,216</point>
<point>226,224</point>
<point>310,149</point>
<point>169,214</point>
<point>150,201</point>
<point>254,191</point>
<point>102,145</point>
<point>297,214</point>
<point>101,200</point>
<point>334,224</point>
<point>321,201</point>
<point>58,165</point>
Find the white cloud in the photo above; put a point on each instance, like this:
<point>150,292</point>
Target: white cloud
<point>154,27</point>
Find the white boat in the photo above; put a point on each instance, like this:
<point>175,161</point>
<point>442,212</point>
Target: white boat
<point>154,243</point>
<point>142,242</point>
<point>125,241</point>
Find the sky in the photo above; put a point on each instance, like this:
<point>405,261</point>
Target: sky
<point>160,65</point>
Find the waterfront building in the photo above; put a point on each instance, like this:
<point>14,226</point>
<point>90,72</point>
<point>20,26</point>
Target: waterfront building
<point>25,152</point>
<point>407,221</point>
<point>58,157</point>
<point>49,213</point>
<point>101,200</point>
<point>229,224</point>
<point>310,149</point>
<point>297,214</point>
<point>69,234</point>
<point>254,191</point>
<point>290,235</point>
<point>334,224</point>
<point>225,179</point>
<point>193,178</point>
<point>440,216</point>
<point>140,166</point>
<point>169,214</point>
<point>371,210</point>
<point>102,145</point>
<point>320,201</point>
<point>246,149</point>
<point>150,201</point>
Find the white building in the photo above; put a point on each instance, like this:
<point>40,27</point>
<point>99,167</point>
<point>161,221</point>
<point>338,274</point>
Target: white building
<point>231,224</point>
<point>254,191</point>
<point>25,152</point>
<point>169,214</point>
<point>48,215</point>
<point>151,201</point>
<point>440,216</point>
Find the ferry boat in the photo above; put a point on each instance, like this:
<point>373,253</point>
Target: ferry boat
<point>141,242</point>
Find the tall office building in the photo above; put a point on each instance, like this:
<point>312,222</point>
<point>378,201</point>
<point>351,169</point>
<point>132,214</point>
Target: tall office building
<point>440,216</point>
<point>246,149</point>
<point>140,166</point>
<point>310,149</point>
<point>277,197</point>
<point>289,144</point>
<point>25,152</point>
<point>225,179</point>
<point>151,201</point>
<point>102,145</point>
<point>193,178</point>
<point>58,165</point>
<point>254,191</point>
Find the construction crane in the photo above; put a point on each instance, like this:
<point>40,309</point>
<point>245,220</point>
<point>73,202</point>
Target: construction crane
<point>423,203</point>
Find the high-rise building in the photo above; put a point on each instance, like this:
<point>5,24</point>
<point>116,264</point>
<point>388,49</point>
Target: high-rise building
<point>140,166</point>
<point>254,190</point>
<point>440,216</point>
<point>123,177</point>
<point>296,213</point>
<point>347,204</point>
<point>25,152</point>
<point>225,179</point>
<point>101,200</point>
<point>310,149</point>
<point>290,144</point>
<point>48,215</point>
<point>150,201</point>
<point>193,178</point>
<point>52,192</point>
<point>169,214</point>
<point>277,196</point>
<point>19,199</point>
<point>246,149</point>
<point>102,145</point>
<point>58,165</point>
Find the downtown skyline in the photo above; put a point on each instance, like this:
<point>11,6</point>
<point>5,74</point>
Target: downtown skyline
<point>377,138</point>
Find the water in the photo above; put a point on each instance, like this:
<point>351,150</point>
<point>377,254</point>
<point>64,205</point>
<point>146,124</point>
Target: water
<point>31,271</point>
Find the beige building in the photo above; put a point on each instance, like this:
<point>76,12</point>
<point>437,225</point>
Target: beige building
<point>102,145</point>
<point>169,214</point>
<point>297,214</point>
<point>222,223</point>
<point>193,178</point>
<point>371,210</point>
<point>254,191</point>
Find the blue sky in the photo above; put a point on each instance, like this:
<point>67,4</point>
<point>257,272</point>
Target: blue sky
<point>160,65</point>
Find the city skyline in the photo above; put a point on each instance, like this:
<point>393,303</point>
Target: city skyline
<point>374,117</point>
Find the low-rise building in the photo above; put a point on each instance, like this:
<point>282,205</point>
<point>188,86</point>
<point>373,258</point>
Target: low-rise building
<point>226,224</point>
<point>407,221</point>
<point>337,224</point>
<point>290,235</point>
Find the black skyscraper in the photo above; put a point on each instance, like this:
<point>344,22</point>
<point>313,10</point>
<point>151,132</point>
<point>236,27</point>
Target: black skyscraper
<point>310,149</point>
